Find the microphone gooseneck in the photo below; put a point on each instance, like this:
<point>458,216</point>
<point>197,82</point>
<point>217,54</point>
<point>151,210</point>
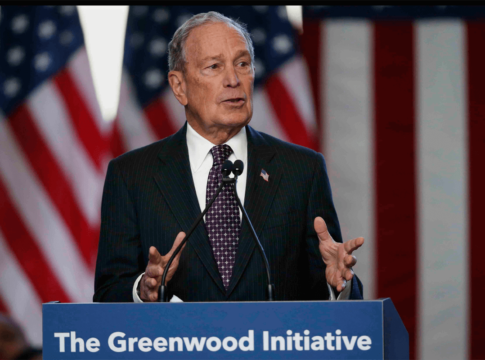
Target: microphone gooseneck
<point>226,171</point>
<point>237,169</point>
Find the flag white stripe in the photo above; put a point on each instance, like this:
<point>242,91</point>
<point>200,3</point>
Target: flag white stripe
<point>43,220</point>
<point>134,126</point>
<point>79,69</point>
<point>21,299</point>
<point>294,76</point>
<point>264,118</point>
<point>176,111</point>
<point>442,156</point>
<point>49,112</point>
<point>348,135</point>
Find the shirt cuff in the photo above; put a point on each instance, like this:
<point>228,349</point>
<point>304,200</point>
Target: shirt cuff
<point>344,295</point>
<point>136,298</point>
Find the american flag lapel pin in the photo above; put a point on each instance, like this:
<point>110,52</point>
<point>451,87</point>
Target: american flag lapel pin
<point>264,175</point>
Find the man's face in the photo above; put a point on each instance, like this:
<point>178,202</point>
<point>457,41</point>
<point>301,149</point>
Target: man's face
<point>219,78</point>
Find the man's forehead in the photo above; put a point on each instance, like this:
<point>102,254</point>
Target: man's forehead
<point>199,42</point>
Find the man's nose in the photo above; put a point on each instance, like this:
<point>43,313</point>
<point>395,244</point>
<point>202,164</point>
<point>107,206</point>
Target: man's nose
<point>230,78</point>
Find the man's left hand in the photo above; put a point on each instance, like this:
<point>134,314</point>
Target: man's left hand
<point>337,256</point>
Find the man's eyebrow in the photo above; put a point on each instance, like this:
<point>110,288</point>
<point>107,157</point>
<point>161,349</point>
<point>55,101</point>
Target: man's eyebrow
<point>239,54</point>
<point>212,57</point>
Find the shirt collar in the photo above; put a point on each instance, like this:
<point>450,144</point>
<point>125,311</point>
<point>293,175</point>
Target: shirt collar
<point>199,147</point>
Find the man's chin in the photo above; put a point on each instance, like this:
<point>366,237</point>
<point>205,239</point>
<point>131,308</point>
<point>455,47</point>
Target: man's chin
<point>236,120</point>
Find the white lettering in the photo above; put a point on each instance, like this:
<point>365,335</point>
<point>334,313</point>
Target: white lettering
<point>307,339</point>
<point>318,343</point>
<point>249,340</point>
<point>172,341</point>
<point>160,344</point>
<point>131,344</point>
<point>212,347</point>
<point>280,340</point>
<point>62,337</point>
<point>338,344</point>
<point>121,343</point>
<point>145,344</point>
<point>349,345</point>
<point>329,339</point>
<point>75,341</point>
<point>225,343</point>
<point>92,345</point>
<point>364,343</point>
<point>194,342</point>
<point>265,340</point>
<point>298,338</point>
<point>289,343</point>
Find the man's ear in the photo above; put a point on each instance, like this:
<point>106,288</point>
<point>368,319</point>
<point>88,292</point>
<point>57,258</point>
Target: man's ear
<point>177,83</point>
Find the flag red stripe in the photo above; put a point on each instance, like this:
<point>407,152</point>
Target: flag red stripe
<point>395,175</point>
<point>54,181</point>
<point>117,147</point>
<point>287,113</point>
<point>476,191</point>
<point>27,253</point>
<point>3,308</point>
<point>157,116</point>
<point>87,130</point>
<point>311,49</point>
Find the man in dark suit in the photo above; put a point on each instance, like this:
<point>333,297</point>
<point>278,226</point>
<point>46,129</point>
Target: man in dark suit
<point>153,193</point>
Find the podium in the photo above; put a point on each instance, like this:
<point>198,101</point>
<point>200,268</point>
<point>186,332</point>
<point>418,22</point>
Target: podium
<point>229,330</point>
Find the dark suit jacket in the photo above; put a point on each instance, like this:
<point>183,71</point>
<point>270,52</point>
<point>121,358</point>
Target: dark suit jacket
<point>149,197</point>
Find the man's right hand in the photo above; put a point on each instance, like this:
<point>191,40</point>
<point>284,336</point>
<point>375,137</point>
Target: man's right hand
<point>152,279</point>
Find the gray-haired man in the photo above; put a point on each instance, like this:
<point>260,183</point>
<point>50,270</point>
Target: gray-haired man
<point>153,193</point>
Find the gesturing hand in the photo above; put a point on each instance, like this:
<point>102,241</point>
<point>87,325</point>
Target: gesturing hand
<point>152,279</point>
<point>337,256</point>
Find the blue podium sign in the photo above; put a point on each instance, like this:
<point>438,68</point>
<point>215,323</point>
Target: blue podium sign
<point>257,330</point>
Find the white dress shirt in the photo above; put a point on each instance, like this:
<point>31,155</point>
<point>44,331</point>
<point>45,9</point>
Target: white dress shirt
<point>200,158</point>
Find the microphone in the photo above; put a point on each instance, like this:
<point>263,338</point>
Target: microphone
<point>226,171</point>
<point>237,170</point>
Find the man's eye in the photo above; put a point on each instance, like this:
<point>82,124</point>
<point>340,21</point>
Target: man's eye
<point>243,64</point>
<point>213,66</point>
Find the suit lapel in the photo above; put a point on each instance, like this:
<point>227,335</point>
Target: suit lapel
<point>258,199</point>
<point>177,186</point>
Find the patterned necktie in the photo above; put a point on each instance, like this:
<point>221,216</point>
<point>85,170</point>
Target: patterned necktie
<point>222,220</point>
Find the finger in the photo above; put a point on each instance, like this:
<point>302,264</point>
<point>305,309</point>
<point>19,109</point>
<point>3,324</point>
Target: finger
<point>153,271</point>
<point>180,237</point>
<point>342,286</point>
<point>352,245</point>
<point>348,274</point>
<point>321,229</point>
<point>151,283</point>
<point>153,296</point>
<point>165,259</point>
<point>350,260</point>
<point>154,256</point>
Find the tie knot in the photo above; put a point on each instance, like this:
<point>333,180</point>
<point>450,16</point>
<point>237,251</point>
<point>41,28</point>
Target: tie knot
<point>220,153</point>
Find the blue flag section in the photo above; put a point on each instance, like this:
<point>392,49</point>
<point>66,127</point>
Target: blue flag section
<point>278,330</point>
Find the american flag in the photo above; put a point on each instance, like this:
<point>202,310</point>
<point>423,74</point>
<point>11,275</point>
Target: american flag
<point>400,100</point>
<point>148,110</point>
<point>264,175</point>
<point>53,151</point>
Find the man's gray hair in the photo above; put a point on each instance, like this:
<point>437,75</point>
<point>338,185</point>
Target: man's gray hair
<point>176,47</point>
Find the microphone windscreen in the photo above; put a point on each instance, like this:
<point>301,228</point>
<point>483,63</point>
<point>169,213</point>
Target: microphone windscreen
<point>238,167</point>
<point>227,168</point>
